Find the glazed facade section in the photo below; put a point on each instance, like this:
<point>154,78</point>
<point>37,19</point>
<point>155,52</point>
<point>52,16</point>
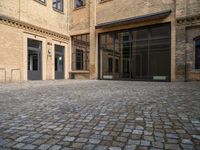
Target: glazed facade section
<point>136,54</point>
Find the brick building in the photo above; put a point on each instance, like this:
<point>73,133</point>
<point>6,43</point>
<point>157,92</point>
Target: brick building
<point>155,40</point>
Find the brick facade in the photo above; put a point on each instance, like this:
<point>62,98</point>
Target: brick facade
<point>23,19</point>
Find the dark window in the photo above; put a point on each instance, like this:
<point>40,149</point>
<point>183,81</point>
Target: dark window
<point>197,54</point>
<point>34,48</point>
<point>79,3</point>
<point>139,54</point>
<point>43,1</point>
<point>33,62</point>
<point>80,52</point>
<point>116,65</point>
<point>58,4</point>
<point>110,65</point>
<point>79,59</point>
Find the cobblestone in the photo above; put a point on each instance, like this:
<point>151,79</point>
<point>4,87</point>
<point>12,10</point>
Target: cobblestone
<point>98,115</point>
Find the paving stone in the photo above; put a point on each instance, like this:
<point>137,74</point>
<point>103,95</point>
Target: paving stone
<point>133,142</point>
<point>55,147</point>
<point>173,136</point>
<point>118,144</point>
<point>94,141</point>
<point>44,147</point>
<point>114,148</point>
<point>196,137</point>
<point>69,139</point>
<point>77,145</point>
<point>130,147</point>
<point>89,147</point>
<point>101,148</point>
<point>159,134</point>
<point>172,141</point>
<point>187,147</point>
<point>82,140</point>
<point>158,145</point>
<point>122,114</point>
<point>121,139</point>
<point>145,143</point>
<point>186,141</point>
<point>18,145</point>
<point>20,139</point>
<point>67,148</point>
<point>29,147</point>
<point>137,132</point>
<point>172,146</point>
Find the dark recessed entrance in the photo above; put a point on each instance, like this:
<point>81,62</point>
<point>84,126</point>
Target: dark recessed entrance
<point>136,54</point>
<point>34,59</point>
<point>59,62</point>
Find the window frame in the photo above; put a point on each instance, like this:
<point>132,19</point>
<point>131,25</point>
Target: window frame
<point>104,1</point>
<point>82,44</point>
<point>56,8</point>
<point>42,2</point>
<point>196,66</point>
<point>82,6</point>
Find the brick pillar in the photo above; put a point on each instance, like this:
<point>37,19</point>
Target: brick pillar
<point>93,42</point>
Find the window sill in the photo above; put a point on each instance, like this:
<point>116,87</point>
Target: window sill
<point>59,11</point>
<point>43,3</point>
<point>78,8</point>
<point>80,72</point>
<point>195,71</point>
<point>104,1</point>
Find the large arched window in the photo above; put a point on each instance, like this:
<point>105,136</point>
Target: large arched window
<point>197,53</point>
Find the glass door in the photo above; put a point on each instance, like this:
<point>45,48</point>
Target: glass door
<point>34,59</point>
<point>59,62</point>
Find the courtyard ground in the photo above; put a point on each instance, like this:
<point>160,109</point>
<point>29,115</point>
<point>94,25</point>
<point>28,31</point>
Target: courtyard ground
<point>99,115</point>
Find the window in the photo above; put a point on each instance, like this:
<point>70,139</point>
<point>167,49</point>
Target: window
<point>110,65</point>
<point>116,65</point>
<point>102,1</point>
<point>41,1</point>
<point>58,5</point>
<point>79,59</point>
<point>138,53</point>
<point>80,52</point>
<point>79,3</point>
<point>197,54</point>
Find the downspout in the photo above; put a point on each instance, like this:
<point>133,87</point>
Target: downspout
<point>186,67</point>
<point>175,22</point>
<point>19,10</point>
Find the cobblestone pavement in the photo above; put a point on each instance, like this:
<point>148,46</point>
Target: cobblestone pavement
<point>99,115</point>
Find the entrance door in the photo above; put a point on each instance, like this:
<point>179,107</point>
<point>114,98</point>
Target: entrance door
<point>59,62</point>
<point>34,59</point>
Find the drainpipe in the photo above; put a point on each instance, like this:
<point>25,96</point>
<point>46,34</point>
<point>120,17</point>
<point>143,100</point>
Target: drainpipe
<point>19,9</point>
<point>186,66</point>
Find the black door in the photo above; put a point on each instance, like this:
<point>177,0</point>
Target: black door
<point>59,62</point>
<point>34,59</point>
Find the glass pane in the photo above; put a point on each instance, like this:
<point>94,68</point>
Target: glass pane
<point>140,54</point>
<point>160,31</point>
<point>79,3</point>
<point>141,34</point>
<point>159,54</point>
<point>80,52</point>
<point>197,55</point>
<point>140,60</point>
